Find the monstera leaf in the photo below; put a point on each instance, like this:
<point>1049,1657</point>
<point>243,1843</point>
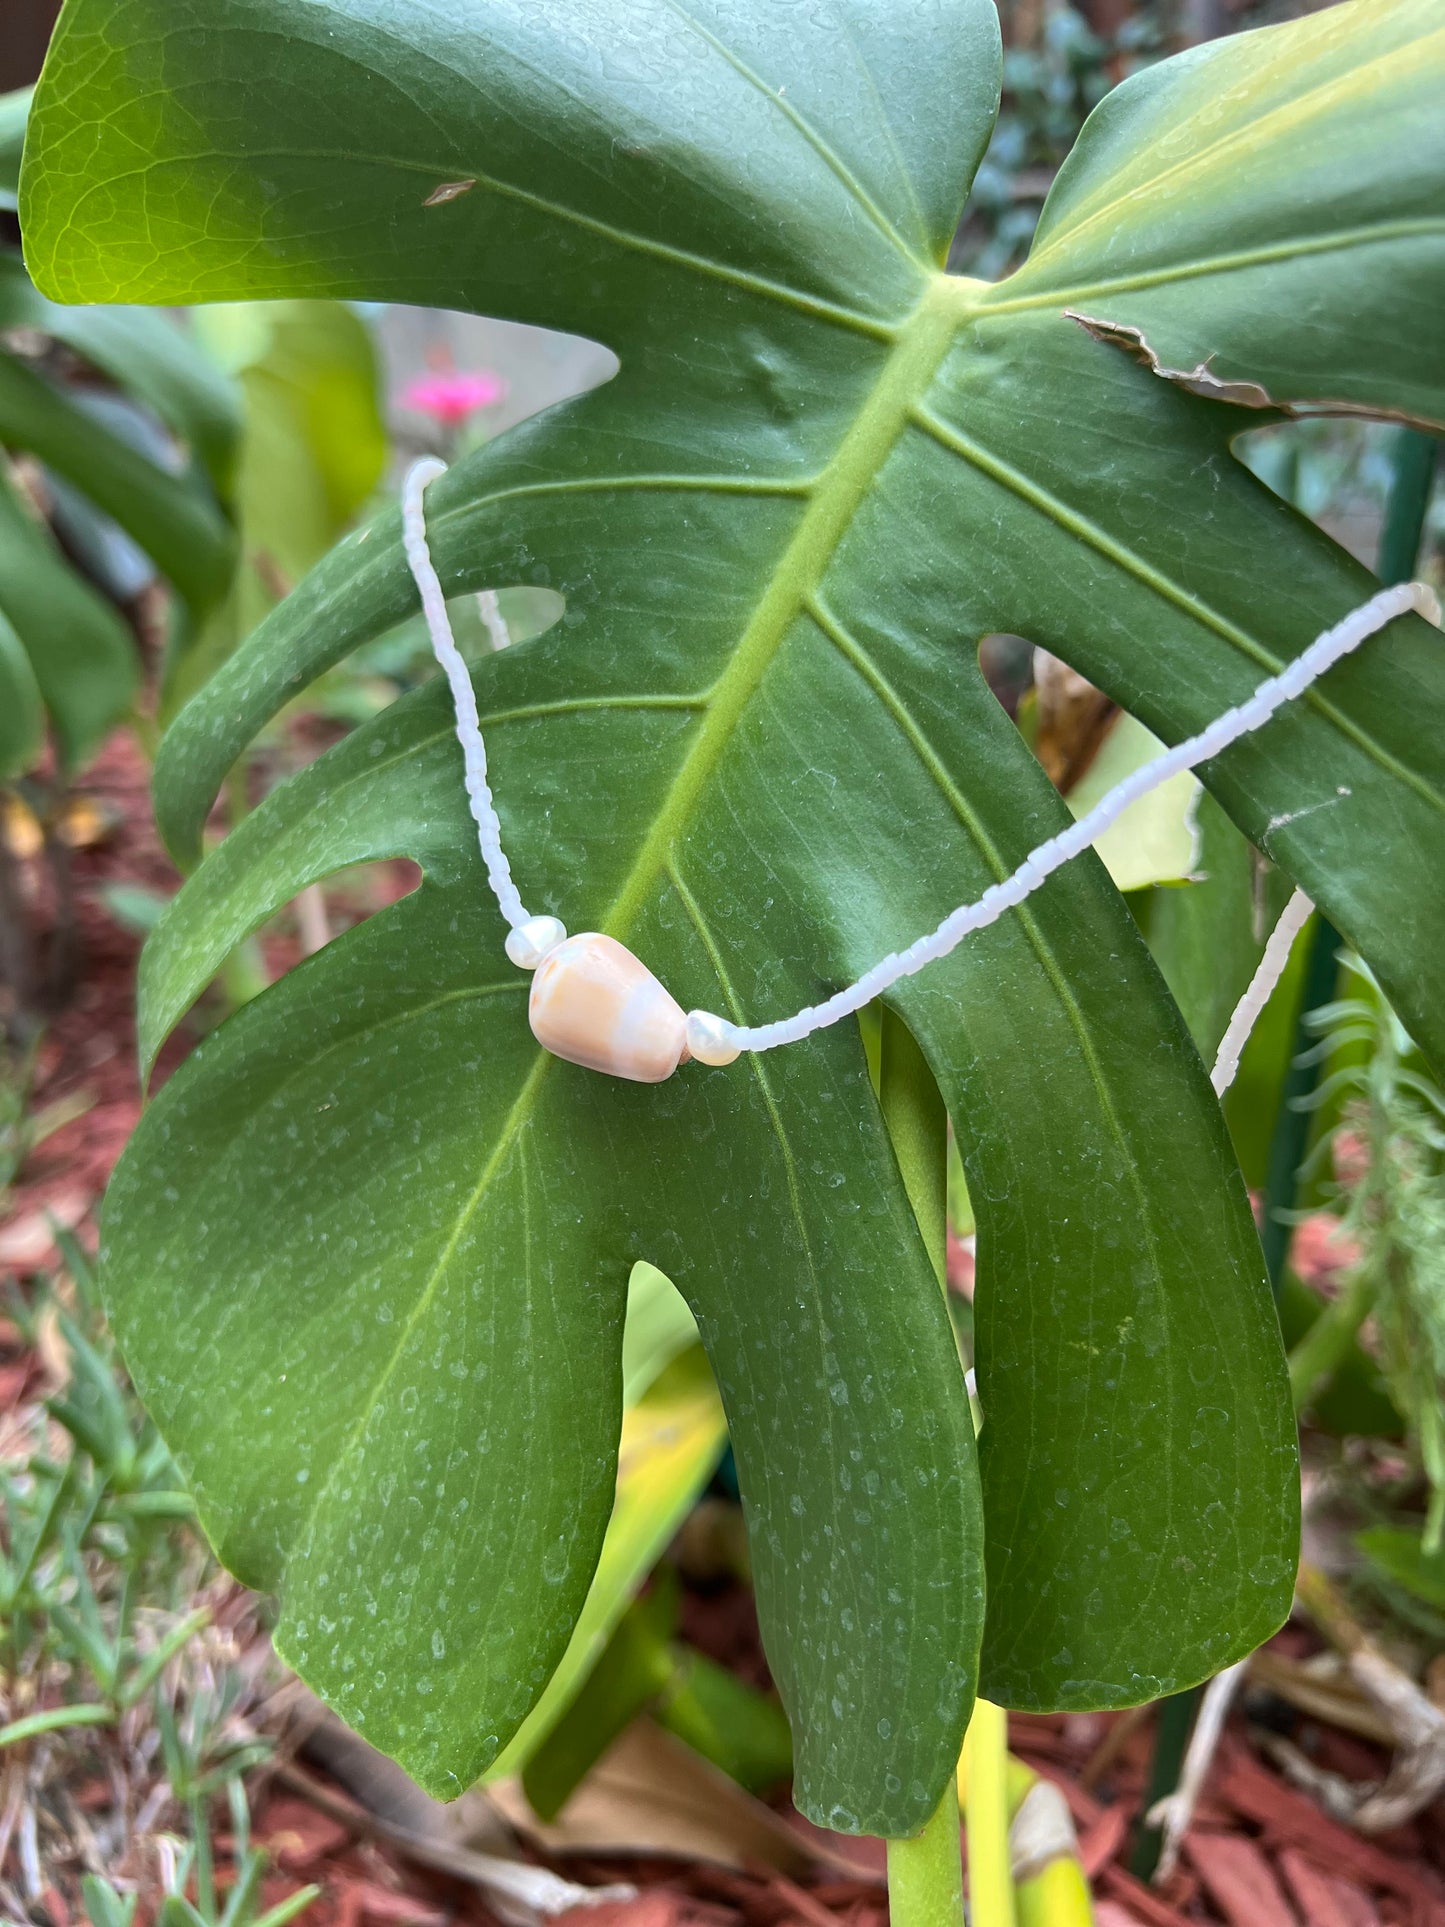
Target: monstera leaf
<point>368,1252</point>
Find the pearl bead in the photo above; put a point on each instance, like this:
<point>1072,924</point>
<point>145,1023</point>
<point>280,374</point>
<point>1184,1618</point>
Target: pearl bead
<point>593,1003</point>
<point>529,943</point>
<point>707,1039</point>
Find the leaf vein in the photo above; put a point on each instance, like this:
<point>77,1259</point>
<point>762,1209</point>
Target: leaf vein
<point>1124,558</point>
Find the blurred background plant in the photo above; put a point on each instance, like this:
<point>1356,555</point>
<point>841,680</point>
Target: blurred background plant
<point>119,442</point>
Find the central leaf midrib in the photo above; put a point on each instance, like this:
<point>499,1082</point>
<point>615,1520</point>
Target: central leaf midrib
<point>922,343</point>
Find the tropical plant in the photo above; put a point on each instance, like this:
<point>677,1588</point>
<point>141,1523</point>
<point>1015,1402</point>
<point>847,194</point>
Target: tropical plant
<point>136,432</point>
<point>368,1252</point>
<point>116,441</point>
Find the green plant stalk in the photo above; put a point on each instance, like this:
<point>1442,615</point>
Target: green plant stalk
<point>913,1110</point>
<point>1413,463</point>
<point>925,1873</point>
<point>1055,1894</point>
<point>1058,1896</point>
<point>201,1840</point>
<point>1292,1125</point>
<point>1321,1352</point>
<point>990,1871</point>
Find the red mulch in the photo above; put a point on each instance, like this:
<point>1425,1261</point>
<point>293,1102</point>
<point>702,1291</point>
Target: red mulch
<point>1260,1854</point>
<point>88,1049</point>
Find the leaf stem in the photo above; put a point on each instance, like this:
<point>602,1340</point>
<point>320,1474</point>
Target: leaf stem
<point>1413,464</point>
<point>990,1876</point>
<point>925,1874</point>
<point>917,1121</point>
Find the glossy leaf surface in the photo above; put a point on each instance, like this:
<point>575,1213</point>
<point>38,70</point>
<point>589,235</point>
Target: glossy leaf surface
<point>759,750</point>
<point>1268,205</point>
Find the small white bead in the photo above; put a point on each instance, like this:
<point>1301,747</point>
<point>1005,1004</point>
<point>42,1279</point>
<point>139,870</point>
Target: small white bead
<point>708,1040</point>
<point>529,943</point>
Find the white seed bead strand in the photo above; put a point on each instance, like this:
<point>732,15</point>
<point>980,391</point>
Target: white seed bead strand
<point>1269,970</point>
<point>711,1039</point>
<point>464,698</point>
<point>1271,695</point>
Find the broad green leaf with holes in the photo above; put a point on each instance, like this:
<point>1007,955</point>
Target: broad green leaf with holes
<point>368,1250</point>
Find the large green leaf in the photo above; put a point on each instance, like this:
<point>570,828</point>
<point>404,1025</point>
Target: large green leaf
<point>1266,211</point>
<point>672,1438</point>
<point>757,748</point>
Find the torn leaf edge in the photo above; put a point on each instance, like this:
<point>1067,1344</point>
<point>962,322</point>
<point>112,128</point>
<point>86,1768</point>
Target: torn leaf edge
<point>1202,381</point>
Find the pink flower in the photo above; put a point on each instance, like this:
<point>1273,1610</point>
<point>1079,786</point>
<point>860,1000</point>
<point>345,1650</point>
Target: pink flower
<point>451,397</point>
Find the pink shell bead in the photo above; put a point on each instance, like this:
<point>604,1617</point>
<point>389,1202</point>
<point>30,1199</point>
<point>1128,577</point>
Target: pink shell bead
<point>595,1004</point>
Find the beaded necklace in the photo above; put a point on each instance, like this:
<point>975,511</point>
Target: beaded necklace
<point>594,1003</point>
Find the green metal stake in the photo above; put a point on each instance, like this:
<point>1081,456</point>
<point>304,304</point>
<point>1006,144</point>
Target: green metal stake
<point>1171,1740</point>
